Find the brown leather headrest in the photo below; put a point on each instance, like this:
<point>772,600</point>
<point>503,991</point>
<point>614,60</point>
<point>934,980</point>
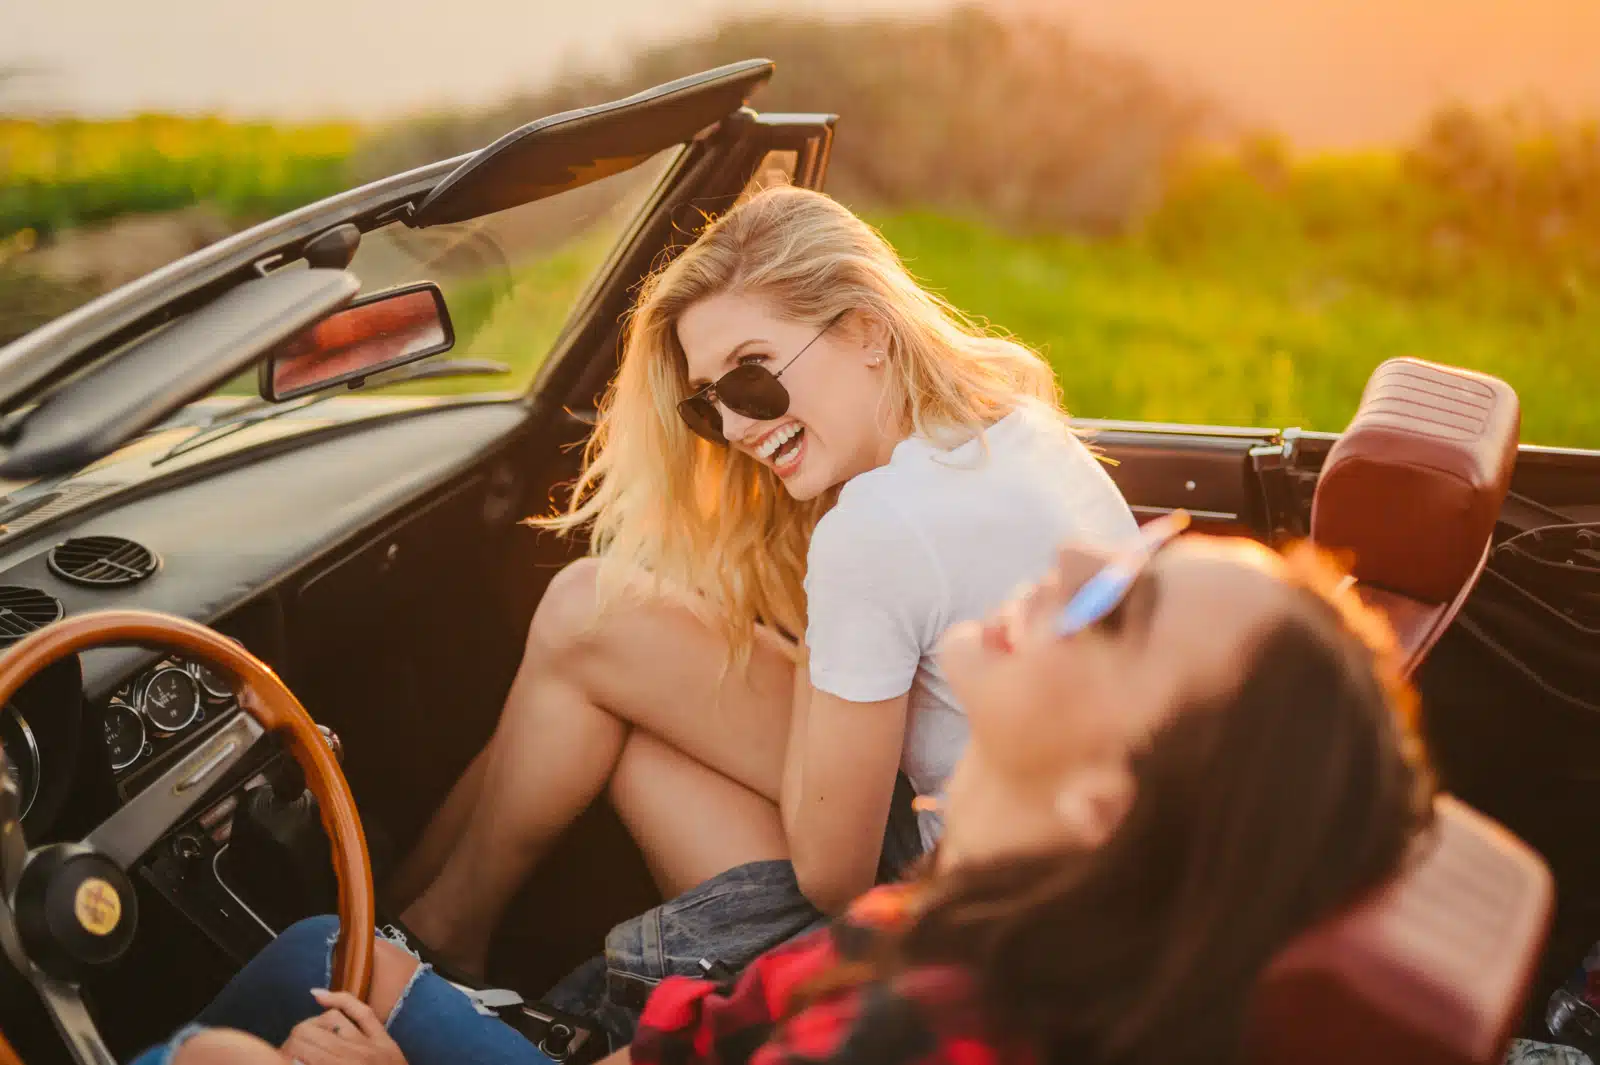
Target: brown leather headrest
<point>1432,970</point>
<point>1415,483</point>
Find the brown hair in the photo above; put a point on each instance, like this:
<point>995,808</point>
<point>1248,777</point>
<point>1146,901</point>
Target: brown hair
<point>1256,813</point>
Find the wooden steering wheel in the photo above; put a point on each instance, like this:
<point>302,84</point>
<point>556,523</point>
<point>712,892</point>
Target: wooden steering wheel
<point>68,908</point>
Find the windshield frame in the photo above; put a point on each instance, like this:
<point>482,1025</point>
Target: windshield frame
<point>627,228</point>
<point>36,360</point>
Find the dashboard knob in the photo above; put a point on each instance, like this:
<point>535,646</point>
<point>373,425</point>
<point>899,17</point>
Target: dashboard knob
<point>188,848</point>
<point>331,738</point>
<point>557,1040</point>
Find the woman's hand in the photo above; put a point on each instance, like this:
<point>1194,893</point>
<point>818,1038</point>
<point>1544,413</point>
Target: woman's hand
<point>348,1033</point>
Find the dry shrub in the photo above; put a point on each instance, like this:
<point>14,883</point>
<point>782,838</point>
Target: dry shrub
<point>1011,118</point>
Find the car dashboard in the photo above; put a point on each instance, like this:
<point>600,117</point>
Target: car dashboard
<point>273,544</point>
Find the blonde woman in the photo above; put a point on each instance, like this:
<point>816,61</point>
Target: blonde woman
<point>800,440</point>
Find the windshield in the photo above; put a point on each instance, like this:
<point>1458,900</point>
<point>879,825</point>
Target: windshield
<point>510,280</point>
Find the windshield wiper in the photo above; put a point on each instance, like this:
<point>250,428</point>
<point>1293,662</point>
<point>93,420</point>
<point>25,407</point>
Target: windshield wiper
<point>265,410</point>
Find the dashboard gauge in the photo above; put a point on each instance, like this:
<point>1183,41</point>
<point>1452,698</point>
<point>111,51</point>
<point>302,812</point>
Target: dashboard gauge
<point>171,699</point>
<point>22,755</point>
<point>215,682</point>
<point>124,735</point>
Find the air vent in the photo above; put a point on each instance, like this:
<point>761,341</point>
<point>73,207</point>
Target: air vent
<point>22,610</point>
<point>102,561</point>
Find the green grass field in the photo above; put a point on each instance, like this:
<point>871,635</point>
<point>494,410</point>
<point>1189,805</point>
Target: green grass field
<point>1240,328</point>
<point>1276,341</point>
<point>61,173</point>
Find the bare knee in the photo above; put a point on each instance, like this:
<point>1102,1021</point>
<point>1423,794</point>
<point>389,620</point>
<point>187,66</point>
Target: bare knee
<point>640,769</point>
<point>392,971</point>
<point>224,1046</point>
<point>566,613</point>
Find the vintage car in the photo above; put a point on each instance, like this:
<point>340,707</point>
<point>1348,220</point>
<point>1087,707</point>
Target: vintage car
<point>178,554</point>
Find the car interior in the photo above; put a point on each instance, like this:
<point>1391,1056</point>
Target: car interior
<point>371,551</point>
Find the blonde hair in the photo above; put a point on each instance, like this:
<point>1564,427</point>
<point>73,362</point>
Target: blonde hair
<point>672,514</point>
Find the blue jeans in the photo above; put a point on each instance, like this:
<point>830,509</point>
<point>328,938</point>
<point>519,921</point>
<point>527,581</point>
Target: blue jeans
<point>730,919</point>
<point>433,1023</point>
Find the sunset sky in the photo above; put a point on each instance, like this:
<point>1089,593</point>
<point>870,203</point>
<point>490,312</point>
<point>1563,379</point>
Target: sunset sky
<point>1326,72</point>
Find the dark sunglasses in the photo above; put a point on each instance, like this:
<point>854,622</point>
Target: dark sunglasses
<point>749,389</point>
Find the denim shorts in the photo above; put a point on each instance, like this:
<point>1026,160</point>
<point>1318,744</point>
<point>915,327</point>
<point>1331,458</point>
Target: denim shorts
<point>721,925</point>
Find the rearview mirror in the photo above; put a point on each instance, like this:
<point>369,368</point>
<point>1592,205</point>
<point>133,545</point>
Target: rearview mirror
<point>369,335</point>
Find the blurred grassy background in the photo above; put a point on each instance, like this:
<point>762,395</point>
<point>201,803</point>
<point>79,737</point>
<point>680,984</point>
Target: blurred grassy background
<point>1171,267</point>
<point>65,173</point>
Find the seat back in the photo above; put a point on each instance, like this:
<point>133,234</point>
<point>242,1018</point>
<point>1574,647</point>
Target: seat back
<point>1412,489</point>
<point>1431,970</point>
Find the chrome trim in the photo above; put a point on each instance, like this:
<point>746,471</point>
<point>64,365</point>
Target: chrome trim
<point>1569,452</point>
<point>144,691</point>
<point>1198,515</point>
<point>216,871</point>
<point>139,823</point>
<point>209,766</point>
<point>32,744</point>
<point>1105,425</point>
<point>144,737</point>
<point>197,670</point>
<point>335,744</point>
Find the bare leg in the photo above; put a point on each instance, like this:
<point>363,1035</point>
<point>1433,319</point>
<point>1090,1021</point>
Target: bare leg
<point>580,691</point>
<point>439,838</point>
<point>691,822</point>
<point>224,1046</point>
<point>392,969</point>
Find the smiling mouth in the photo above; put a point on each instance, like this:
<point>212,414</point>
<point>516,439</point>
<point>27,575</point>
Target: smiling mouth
<point>773,441</point>
<point>783,449</point>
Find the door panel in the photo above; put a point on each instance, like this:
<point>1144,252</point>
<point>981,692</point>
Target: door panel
<point>1209,472</point>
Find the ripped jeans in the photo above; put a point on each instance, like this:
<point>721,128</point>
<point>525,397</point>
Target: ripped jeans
<point>433,1023</point>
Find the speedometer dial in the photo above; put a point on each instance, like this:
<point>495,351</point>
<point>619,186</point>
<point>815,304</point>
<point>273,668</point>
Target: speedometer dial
<point>217,684</point>
<point>124,736</point>
<point>170,699</point>
<point>22,755</point>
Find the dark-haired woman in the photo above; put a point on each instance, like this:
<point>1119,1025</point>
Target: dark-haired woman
<point>1180,759</point>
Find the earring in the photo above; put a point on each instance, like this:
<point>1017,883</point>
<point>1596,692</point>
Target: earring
<point>877,359</point>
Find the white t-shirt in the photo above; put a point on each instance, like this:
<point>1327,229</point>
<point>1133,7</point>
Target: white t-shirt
<point>936,537</point>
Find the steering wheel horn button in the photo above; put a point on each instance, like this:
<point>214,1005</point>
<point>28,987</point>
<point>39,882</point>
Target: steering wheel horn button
<point>97,905</point>
<point>75,910</point>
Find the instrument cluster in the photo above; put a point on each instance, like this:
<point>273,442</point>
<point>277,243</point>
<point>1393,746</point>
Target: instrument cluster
<point>161,707</point>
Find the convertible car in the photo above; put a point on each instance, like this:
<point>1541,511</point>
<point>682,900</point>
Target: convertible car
<point>264,582</point>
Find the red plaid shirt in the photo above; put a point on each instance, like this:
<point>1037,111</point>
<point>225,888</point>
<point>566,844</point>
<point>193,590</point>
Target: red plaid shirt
<point>925,1016</point>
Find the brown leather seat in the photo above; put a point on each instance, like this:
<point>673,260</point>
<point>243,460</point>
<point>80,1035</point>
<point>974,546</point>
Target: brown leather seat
<point>1432,970</point>
<point>1412,489</point>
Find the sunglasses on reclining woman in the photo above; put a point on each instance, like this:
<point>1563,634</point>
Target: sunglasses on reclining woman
<point>749,389</point>
<point>1101,594</point>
